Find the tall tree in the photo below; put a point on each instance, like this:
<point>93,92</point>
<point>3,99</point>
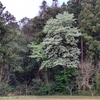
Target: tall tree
<point>74,6</point>
<point>57,40</point>
<point>46,12</point>
<point>43,9</point>
<point>90,28</point>
<point>59,47</point>
<point>7,34</point>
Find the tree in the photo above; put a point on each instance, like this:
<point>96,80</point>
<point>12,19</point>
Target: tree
<point>7,56</point>
<point>46,12</point>
<point>63,7</point>
<point>2,47</point>
<point>90,28</point>
<point>43,9</point>
<point>84,77</point>
<point>74,6</point>
<point>23,22</point>
<point>54,3</point>
<point>60,40</point>
<point>59,47</point>
<point>5,16</point>
<point>8,18</point>
<point>7,34</point>
<point>90,10</point>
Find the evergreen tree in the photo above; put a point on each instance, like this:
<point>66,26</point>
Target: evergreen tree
<point>7,34</point>
<point>74,6</point>
<point>89,22</point>
<point>43,9</point>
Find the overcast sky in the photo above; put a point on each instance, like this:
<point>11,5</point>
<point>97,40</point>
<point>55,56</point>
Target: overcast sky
<point>25,8</point>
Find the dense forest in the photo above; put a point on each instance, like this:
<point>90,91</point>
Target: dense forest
<point>55,53</point>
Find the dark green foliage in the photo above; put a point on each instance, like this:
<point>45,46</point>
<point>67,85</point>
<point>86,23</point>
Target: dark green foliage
<point>74,6</point>
<point>40,88</point>
<point>90,10</point>
<point>60,83</point>
<point>66,82</point>
<point>21,75</point>
<point>5,89</point>
<point>89,21</point>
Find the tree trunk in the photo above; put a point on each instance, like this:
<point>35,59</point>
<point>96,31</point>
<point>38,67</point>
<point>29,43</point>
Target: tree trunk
<point>90,90</point>
<point>71,92</point>
<point>37,73</point>
<point>1,71</point>
<point>2,67</point>
<point>65,73</point>
<point>81,50</point>
<point>46,76</point>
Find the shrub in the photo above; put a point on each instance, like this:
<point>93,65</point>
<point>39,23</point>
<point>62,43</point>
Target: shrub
<point>5,88</point>
<point>40,88</point>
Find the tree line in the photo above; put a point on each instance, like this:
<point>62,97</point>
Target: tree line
<point>56,52</point>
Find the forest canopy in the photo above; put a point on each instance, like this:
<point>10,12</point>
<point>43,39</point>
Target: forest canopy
<point>55,52</point>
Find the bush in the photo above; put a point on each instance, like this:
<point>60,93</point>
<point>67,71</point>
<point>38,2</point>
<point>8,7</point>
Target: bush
<point>5,89</point>
<point>40,88</point>
<point>22,89</point>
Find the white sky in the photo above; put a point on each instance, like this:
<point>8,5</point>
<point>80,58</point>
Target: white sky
<point>25,8</point>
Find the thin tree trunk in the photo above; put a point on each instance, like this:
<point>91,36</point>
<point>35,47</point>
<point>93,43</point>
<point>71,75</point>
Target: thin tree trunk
<point>46,76</point>
<point>65,73</point>
<point>1,71</point>
<point>90,90</point>
<point>2,67</point>
<point>71,92</point>
<point>37,73</point>
<point>81,50</point>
